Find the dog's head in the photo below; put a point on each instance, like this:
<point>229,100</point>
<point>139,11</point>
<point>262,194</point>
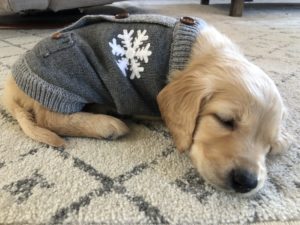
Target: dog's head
<point>227,112</point>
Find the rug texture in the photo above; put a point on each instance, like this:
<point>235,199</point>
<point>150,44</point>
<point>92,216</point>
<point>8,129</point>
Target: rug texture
<point>141,178</point>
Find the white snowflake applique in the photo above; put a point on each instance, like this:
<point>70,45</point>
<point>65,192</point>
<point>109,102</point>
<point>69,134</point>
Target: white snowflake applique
<point>131,53</point>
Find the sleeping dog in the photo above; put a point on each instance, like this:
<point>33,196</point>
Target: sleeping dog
<point>222,109</point>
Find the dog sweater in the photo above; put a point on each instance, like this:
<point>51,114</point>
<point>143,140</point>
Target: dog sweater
<point>122,63</point>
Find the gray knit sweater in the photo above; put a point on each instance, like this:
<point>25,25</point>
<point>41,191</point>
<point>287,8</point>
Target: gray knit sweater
<point>120,63</point>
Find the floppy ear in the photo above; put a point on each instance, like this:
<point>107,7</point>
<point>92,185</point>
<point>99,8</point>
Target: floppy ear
<point>281,144</point>
<point>283,140</point>
<point>179,103</point>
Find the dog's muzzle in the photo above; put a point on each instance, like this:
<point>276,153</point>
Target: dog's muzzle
<point>242,181</point>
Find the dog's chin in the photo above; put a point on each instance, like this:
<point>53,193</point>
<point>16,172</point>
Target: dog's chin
<point>261,181</point>
<point>222,186</point>
<point>221,183</point>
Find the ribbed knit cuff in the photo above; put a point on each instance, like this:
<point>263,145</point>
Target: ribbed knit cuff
<point>184,37</point>
<point>52,97</point>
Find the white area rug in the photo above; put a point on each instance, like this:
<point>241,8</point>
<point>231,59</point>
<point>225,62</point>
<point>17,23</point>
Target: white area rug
<point>141,179</point>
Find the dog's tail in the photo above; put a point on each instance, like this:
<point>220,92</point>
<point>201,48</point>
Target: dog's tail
<point>23,111</point>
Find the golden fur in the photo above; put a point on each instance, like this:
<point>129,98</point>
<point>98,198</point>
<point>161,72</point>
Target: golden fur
<point>226,111</point>
<point>44,126</point>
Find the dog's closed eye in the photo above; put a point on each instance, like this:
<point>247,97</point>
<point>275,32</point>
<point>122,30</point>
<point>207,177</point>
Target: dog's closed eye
<point>227,122</point>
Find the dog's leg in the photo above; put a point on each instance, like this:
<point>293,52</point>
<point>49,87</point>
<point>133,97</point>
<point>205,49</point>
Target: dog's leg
<point>43,125</point>
<point>82,124</point>
<point>22,107</point>
<point>31,128</point>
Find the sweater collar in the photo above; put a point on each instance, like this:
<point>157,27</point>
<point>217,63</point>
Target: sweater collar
<point>184,36</point>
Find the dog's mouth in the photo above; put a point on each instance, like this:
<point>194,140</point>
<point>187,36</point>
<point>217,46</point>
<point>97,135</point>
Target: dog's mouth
<point>229,189</point>
<point>241,183</point>
<point>239,178</point>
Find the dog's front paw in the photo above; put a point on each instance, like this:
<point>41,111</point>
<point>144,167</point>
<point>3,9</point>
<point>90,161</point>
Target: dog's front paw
<point>111,128</point>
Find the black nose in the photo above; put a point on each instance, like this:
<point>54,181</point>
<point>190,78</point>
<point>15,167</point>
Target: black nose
<point>243,181</point>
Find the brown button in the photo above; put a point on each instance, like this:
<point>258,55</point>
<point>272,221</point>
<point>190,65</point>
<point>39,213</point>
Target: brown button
<point>122,15</point>
<point>187,20</point>
<point>56,35</point>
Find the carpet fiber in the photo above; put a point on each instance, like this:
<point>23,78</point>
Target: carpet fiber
<point>141,178</point>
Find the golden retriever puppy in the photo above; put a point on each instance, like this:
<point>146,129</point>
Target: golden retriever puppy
<point>225,111</point>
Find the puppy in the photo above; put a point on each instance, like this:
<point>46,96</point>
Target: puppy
<point>225,111</point>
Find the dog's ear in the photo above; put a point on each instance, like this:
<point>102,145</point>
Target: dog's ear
<point>282,143</point>
<point>283,139</point>
<point>180,102</point>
